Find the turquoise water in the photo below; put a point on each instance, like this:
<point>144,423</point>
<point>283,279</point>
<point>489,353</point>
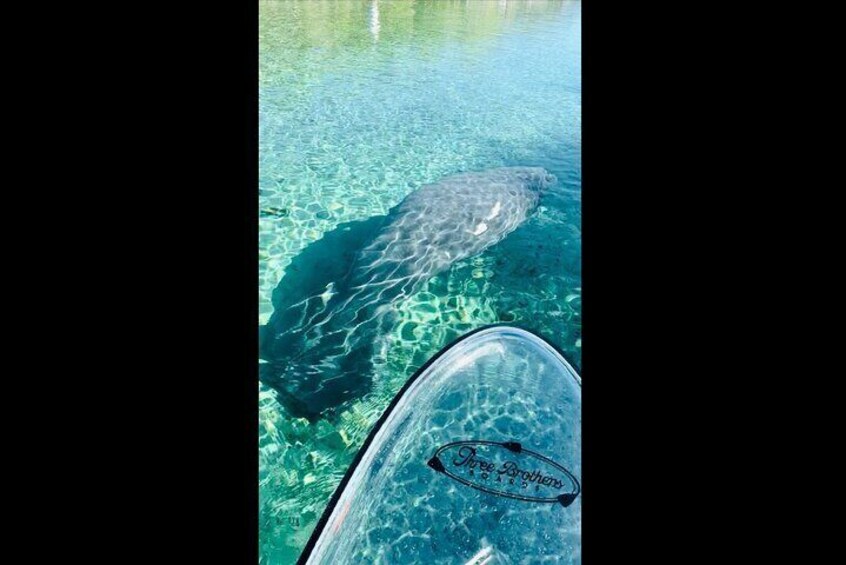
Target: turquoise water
<point>362,102</point>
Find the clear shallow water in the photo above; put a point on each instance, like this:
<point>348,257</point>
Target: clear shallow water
<point>362,102</point>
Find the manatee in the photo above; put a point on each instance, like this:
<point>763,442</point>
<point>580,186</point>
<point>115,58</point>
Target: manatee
<point>340,293</point>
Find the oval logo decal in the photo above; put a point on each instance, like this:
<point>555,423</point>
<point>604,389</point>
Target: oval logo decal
<point>506,469</point>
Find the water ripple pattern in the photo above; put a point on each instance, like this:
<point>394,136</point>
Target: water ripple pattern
<point>360,104</point>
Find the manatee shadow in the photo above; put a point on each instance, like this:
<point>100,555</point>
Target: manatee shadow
<point>316,273</point>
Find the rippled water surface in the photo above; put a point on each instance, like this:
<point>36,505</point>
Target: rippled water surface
<point>361,103</point>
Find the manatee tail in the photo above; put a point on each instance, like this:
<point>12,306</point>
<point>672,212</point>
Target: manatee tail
<point>271,375</point>
<point>309,391</point>
<point>308,356</point>
<point>313,279</point>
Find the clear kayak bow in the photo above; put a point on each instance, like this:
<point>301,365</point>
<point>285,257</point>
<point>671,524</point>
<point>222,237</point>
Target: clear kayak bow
<point>476,461</point>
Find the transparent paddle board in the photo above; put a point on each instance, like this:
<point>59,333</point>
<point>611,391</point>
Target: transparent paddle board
<point>476,461</point>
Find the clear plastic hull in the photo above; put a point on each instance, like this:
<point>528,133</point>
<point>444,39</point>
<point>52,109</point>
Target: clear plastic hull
<point>477,460</point>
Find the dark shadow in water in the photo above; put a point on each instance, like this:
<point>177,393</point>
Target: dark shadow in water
<point>322,265</point>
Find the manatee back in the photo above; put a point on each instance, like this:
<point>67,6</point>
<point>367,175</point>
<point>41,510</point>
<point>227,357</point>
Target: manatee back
<point>447,221</point>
